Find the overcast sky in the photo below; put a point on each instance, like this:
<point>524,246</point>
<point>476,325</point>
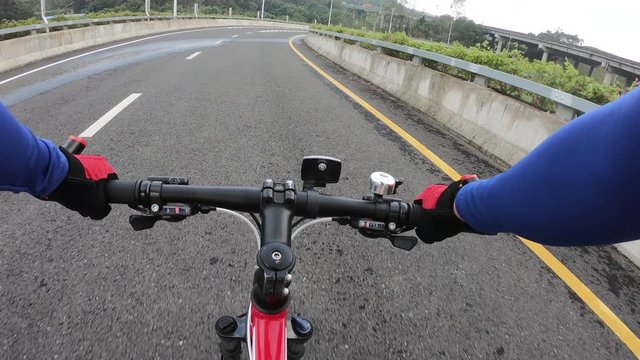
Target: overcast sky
<point>611,25</point>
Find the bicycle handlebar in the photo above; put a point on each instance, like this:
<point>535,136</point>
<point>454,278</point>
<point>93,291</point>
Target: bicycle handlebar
<point>248,199</point>
<point>172,199</point>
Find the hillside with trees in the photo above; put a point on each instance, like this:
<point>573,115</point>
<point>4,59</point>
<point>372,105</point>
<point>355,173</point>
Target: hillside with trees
<point>372,15</point>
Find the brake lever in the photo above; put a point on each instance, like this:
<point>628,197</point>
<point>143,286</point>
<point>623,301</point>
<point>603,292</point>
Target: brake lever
<point>143,222</point>
<point>403,242</point>
<point>377,230</point>
<point>398,241</point>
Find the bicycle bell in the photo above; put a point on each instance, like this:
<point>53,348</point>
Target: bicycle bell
<point>382,184</point>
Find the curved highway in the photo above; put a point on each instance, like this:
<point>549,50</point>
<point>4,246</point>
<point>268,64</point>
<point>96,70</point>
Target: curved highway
<point>236,106</point>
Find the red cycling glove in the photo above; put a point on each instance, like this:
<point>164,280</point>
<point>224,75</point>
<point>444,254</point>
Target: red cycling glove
<point>438,200</point>
<point>83,188</point>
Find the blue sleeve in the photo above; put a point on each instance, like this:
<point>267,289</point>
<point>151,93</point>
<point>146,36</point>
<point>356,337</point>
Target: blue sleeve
<point>576,188</point>
<point>28,163</point>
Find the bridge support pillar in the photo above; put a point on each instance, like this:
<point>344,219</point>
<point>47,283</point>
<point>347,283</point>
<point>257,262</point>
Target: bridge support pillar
<point>565,113</point>
<point>545,54</point>
<point>608,78</point>
<point>500,43</point>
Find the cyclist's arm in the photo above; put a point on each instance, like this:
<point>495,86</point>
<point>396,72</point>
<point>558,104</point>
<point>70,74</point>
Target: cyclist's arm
<point>28,163</point>
<point>579,187</point>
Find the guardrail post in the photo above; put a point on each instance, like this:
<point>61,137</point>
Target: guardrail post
<point>480,80</point>
<point>379,50</point>
<point>565,113</point>
<point>417,60</point>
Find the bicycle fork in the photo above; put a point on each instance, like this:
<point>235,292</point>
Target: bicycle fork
<point>268,336</point>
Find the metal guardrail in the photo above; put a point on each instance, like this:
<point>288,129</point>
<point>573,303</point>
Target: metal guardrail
<point>35,27</point>
<point>558,96</point>
<point>88,22</point>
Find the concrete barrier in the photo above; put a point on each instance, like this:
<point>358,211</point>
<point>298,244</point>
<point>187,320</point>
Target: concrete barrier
<point>24,50</point>
<point>501,127</point>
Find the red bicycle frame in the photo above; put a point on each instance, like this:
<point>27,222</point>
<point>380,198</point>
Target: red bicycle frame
<point>267,337</point>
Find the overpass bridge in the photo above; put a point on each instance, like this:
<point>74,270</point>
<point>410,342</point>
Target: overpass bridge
<point>236,105</point>
<point>612,64</point>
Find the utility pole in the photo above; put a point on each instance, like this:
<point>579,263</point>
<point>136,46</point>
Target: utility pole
<point>262,11</point>
<point>175,8</point>
<point>391,21</point>
<point>330,11</point>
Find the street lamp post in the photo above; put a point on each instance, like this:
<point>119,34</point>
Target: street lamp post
<point>42,12</point>
<point>330,11</point>
<point>262,11</point>
<point>456,14</point>
<point>175,8</point>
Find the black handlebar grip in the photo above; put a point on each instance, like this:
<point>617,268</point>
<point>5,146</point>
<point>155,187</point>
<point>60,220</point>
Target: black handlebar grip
<point>417,215</point>
<point>75,145</point>
<point>122,192</point>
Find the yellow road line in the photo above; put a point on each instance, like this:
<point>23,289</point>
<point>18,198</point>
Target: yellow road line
<point>598,307</point>
<point>609,317</point>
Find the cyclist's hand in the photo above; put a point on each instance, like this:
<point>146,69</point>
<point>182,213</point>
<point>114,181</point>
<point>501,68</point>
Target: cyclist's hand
<point>83,188</point>
<point>441,220</point>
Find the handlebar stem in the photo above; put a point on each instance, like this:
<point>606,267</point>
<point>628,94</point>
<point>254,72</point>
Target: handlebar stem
<point>277,205</point>
<point>275,258</point>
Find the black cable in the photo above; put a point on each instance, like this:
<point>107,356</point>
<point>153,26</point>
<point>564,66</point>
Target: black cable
<point>297,222</point>
<point>255,218</point>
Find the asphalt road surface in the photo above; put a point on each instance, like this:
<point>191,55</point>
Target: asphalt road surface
<point>245,109</point>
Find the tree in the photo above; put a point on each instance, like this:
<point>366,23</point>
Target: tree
<point>457,5</point>
<point>467,32</point>
<point>560,36</point>
<point>16,10</point>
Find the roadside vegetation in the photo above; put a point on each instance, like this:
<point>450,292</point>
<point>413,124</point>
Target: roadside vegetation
<point>561,76</point>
